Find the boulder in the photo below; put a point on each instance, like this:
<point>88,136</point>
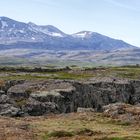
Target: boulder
<point>2,92</point>
<point>82,110</point>
<point>123,112</point>
<point>4,99</point>
<point>113,110</point>
<point>36,108</point>
<point>11,83</point>
<point>18,91</point>
<point>46,96</point>
<point>9,110</point>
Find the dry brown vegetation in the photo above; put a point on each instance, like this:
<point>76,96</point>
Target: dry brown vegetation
<point>73,126</point>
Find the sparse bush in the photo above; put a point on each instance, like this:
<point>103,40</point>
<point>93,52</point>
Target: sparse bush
<point>85,132</point>
<point>113,138</point>
<point>28,91</point>
<point>21,102</point>
<point>58,134</point>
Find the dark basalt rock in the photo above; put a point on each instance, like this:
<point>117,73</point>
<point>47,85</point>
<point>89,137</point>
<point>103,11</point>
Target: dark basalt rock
<point>9,110</point>
<point>36,108</point>
<point>67,96</point>
<point>4,99</point>
<point>123,112</point>
<point>8,84</point>
<point>81,110</point>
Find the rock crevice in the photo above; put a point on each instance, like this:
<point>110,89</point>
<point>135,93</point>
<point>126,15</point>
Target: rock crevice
<point>20,98</point>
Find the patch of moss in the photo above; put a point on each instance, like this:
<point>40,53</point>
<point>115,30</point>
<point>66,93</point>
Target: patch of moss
<point>58,134</point>
<point>116,122</point>
<point>120,138</point>
<point>28,91</point>
<point>85,132</point>
<point>67,75</point>
<point>114,138</point>
<point>21,102</point>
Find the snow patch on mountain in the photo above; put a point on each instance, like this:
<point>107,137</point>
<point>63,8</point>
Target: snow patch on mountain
<point>56,34</point>
<point>32,38</point>
<point>82,34</point>
<point>21,31</point>
<point>4,24</point>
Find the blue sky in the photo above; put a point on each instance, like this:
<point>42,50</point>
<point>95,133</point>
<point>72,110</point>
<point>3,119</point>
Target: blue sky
<point>115,18</point>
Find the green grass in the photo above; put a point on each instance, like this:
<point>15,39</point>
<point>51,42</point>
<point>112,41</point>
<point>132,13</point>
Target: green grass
<point>73,73</point>
<point>115,138</point>
<point>126,72</point>
<point>64,133</point>
<point>116,122</point>
<point>121,138</point>
<point>21,102</point>
<point>42,76</point>
<point>58,134</point>
<point>66,75</point>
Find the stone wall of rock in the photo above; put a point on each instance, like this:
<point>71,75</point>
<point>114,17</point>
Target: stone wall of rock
<point>20,98</point>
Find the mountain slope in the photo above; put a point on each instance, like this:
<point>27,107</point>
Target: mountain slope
<point>29,35</point>
<point>28,43</point>
<point>48,29</point>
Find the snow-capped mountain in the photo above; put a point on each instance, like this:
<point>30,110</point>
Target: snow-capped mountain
<point>15,34</point>
<point>20,42</point>
<point>48,29</point>
<point>13,31</point>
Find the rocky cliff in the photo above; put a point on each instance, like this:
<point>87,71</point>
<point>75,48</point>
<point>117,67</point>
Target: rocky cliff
<point>20,98</point>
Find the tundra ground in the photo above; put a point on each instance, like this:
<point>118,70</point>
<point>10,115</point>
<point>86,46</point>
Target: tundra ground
<point>73,126</point>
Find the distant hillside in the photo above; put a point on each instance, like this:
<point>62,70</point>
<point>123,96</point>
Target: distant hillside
<point>26,43</point>
<point>24,35</point>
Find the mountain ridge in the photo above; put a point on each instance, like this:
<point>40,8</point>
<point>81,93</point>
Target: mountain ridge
<point>25,43</point>
<point>13,32</point>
